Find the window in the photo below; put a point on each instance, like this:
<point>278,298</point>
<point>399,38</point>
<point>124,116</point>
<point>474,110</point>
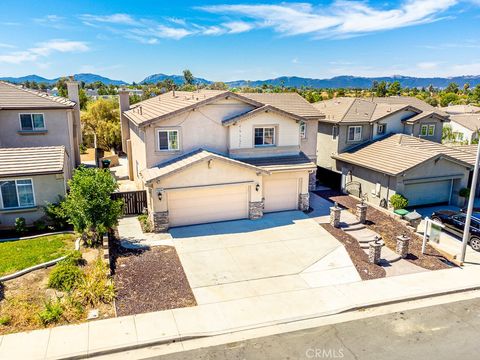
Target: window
<point>16,193</point>
<point>168,140</point>
<point>334,132</point>
<point>427,130</point>
<point>265,136</point>
<point>431,130</point>
<point>303,130</point>
<point>424,130</point>
<point>32,122</point>
<point>354,133</point>
<point>381,129</point>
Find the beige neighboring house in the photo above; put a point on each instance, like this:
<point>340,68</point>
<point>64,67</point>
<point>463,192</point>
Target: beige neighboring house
<point>39,148</point>
<point>461,109</point>
<point>465,127</point>
<point>210,155</point>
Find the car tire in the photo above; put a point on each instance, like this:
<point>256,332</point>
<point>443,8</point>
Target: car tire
<point>475,243</point>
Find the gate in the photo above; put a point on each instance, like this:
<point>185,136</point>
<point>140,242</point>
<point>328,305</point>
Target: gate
<point>134,202</point>
<point>354,188</point>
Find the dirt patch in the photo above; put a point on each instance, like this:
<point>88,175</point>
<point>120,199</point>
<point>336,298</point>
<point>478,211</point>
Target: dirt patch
<point>389,228</point>
<point>367,270</point>
<point>150,280</point>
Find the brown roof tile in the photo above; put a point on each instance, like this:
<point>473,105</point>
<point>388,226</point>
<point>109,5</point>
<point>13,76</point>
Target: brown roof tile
<point>31,161</point>
<point>16,97</point>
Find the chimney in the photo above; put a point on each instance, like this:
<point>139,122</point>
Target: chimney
<point>124,101</point>
<point>73,95</point>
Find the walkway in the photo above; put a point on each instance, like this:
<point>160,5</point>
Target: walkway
<point>117,334</point>
<point>132,236</point>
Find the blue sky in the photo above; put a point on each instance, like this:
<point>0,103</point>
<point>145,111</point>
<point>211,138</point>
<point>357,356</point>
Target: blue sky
<point>229,40</point>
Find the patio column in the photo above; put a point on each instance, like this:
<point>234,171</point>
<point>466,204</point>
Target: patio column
<point>402,245</point>
<point>375,250</point>
<point>362,212</point>
<point>335,211</point>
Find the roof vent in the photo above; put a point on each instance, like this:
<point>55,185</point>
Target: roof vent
<point>140,110</point>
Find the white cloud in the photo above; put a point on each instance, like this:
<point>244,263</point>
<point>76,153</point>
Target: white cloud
<point>8,46</point>
<point>43,50</point>
<point>54,21</point>
<point>427,65</point>
<point>236,27</point>
<point>124,19</point>
<point>340,19</point>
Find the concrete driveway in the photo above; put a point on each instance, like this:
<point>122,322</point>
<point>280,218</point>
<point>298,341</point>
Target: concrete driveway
<point>282,252</point>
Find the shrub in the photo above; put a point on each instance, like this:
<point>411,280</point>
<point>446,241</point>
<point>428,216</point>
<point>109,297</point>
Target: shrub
<point>52,312</point>
<point>65,276</point>
<point>20,312</point>
<point>5,320</point>
<point>20,225</point>
<point>56,215</point>
<point>145,223</point>
<point>74,257</point>
<point>40,225</point>
<point>398,201</point>
<point>96,285</point>
<point>464,192</point>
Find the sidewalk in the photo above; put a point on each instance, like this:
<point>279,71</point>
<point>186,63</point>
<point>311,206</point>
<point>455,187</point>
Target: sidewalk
<point>129,332</point>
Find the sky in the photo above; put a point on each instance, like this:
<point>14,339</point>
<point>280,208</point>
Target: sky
<point>240,39</point>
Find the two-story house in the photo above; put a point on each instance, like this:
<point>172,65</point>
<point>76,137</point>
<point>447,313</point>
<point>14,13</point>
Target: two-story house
<point>377,147</point>
<point>210,155</point>
<point>39,148</point>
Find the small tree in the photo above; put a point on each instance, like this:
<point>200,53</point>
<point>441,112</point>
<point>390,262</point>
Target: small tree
<point>102,118</point>
<point>188,77</point>
<point>398,201</point>
<point>89,206</point>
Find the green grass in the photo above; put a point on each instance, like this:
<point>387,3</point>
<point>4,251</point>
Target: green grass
<point>18,255</point>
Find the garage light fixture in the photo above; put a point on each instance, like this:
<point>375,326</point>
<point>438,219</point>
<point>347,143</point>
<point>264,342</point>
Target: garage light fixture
<point>159,195</point>
<point>257,187</point>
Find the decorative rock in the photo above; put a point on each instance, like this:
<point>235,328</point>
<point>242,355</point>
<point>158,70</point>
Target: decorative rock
<point>303,202</point>
<point>375,251</point>
<point>160,221</point>
<point>402,245</point>
<point>312,181</point>
<point>255,210</point>
<point>92,314</point>
<point>335,215</point>
<point>361,213</point>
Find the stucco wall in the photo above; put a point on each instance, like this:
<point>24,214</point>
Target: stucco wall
<point>468,135</point>
<point>46,188</point>
<point>415,129</point>
<point>59,131</point>
<point>309,144</point>
<point>343,142</point>
<point>326,145</point>
<point>139,158</point>
<point>394,124</point>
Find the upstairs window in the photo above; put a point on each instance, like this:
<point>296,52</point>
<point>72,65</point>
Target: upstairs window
<point>32,122</point>
<point>303,130</point>
<point>265,136</point>
<point>168,140</point>
<point>427,130</point>
<point>381,129</point>
<point>354,133</point>
<point>334,132</point>
<point>16,193</point>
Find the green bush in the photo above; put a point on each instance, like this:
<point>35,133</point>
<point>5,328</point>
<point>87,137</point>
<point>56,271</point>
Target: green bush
<point>40,225</point>
<point>398,201</point>
<point>56,215</point>
<point>95,286</point>
<point>74,257</point>
<point>52,312</point>
<point>464,192</point>
<point>65,276</point>
<point>145,223</point>
<point>20,225</point>
<point>5,320</point>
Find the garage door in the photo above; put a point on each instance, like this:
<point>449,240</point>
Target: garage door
<point>197,206</point>
<point>281,194</point>
<point>428,193</point>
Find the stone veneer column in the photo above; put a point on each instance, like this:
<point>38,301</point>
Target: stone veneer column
<point>255,210</point>
<point>312,181</point>
<point>304,202</point>
<point>374,251</point>
<point>335,212</point>
<point>402,245</point>
<point>361,213</point>
<point>160,221</point>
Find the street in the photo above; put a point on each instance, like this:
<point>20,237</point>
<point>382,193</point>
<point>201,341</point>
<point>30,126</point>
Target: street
<point>438,332</point>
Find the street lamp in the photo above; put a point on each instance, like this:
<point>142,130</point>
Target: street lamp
<point>471,199</point>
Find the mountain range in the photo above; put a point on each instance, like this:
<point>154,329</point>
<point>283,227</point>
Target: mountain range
<point>288,81</point>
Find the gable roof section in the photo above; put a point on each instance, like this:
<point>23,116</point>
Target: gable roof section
<point>425,115</point>
<point>276,163</point>
<point>469,121</point>
<point>16,97</point>
<point>258,111</point>
<point>461,109</point>
<point>31,161</point>
<point>398,153</point>
<point>182,162</point>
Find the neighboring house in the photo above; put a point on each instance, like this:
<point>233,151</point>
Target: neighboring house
<point>465,127</point>
<point>355,127</point>
<point>39,148</point>
<point>424,172</point>
<point>461,109</point>
<point>211,155</point>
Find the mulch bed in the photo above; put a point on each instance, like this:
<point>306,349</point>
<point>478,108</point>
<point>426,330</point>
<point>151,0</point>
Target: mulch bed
<point>389,228</point>
<point>367,270</point>
<point>149,280</point>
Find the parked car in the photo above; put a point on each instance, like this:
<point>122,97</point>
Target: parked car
<point>454,222</point>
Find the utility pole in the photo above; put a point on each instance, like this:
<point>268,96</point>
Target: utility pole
<point>471,199</point>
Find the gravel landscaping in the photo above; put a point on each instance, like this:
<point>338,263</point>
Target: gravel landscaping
<point>389,228</point>
<point>149,280</point>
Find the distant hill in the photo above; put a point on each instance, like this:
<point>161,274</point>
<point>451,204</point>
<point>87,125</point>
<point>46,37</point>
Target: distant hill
<point>177,79</point>
<point>87,78</point>
<point>288,81</point>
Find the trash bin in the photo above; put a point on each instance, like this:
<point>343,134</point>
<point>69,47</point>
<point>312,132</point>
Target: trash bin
<point>106,163</point>
<point>414,218</point>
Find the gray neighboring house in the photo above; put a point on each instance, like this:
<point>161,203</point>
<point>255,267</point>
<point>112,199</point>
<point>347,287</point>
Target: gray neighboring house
<point>39,148</point>
<point>377,147</point>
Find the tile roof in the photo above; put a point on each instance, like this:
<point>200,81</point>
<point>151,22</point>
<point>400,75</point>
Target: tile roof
<point>257,111</point>
<point>167,104</point>
<point>398,153</point>
<point>300,161</point>
<point>461,109</point>
<point>470,121</point>
<point>186,160</point>
<point>16,97</point>
<point>32,161</point>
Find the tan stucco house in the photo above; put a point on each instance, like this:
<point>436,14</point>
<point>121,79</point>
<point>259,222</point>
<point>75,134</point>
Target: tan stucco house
<point>39,148</point>
<point>210,155</point>
<point>377,147</point>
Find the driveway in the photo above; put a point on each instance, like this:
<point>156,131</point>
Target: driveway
<point>279,253</point>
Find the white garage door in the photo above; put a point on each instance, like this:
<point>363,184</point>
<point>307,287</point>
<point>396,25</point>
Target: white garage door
<point>203,205</point>
<point>281,194</point>
<point>428,193</point>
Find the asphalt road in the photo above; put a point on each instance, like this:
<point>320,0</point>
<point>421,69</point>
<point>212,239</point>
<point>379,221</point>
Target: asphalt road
<point>448,331</point>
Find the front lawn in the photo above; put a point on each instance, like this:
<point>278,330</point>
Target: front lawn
<point>21,254</point>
